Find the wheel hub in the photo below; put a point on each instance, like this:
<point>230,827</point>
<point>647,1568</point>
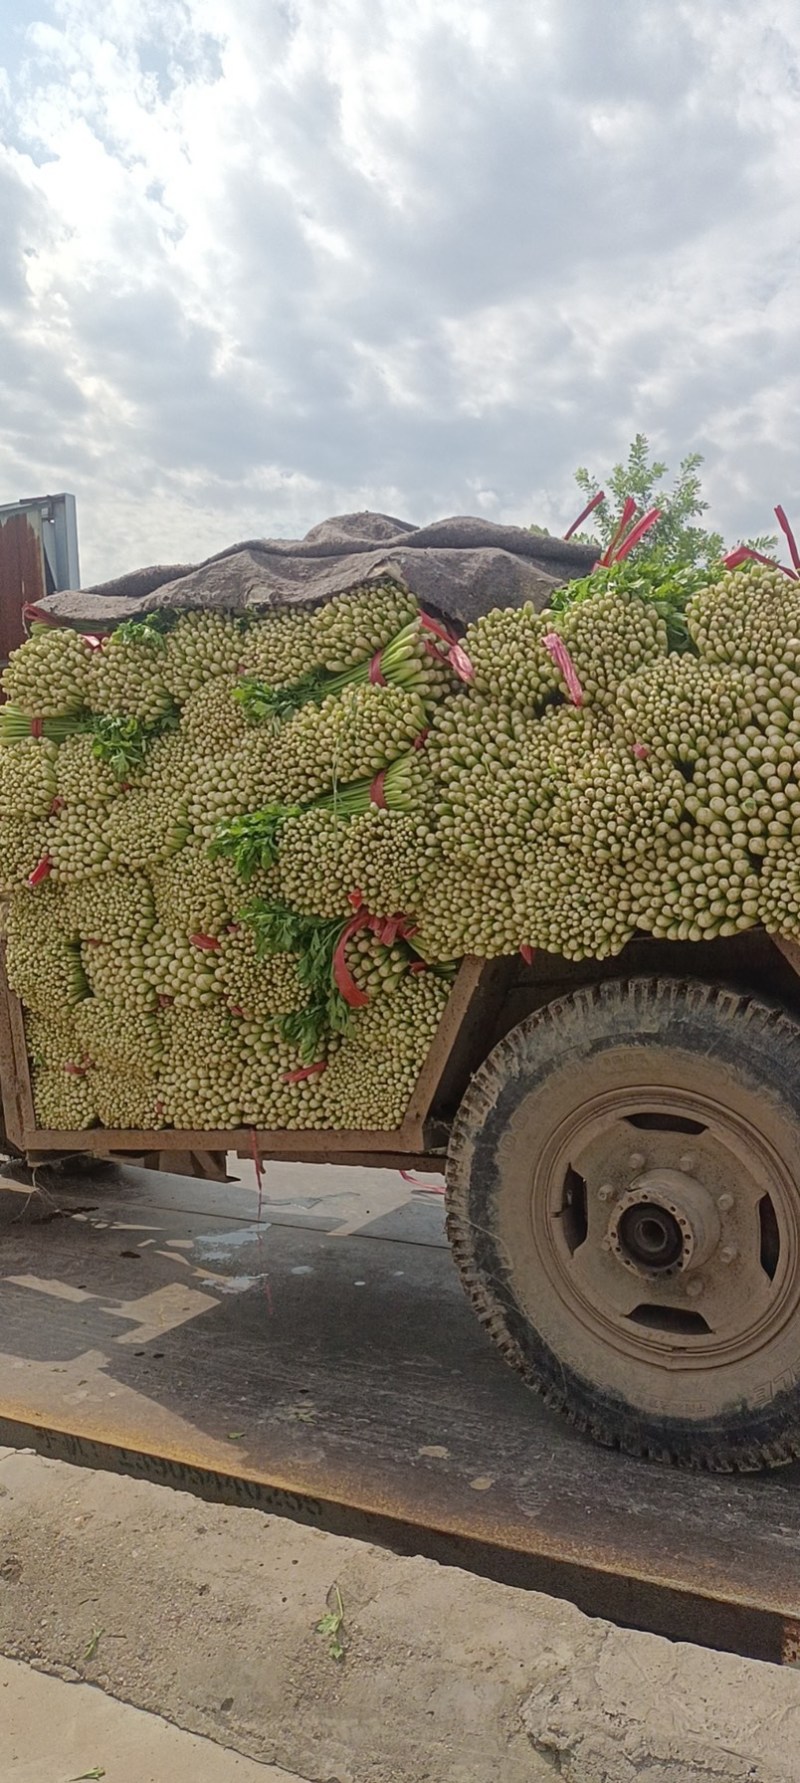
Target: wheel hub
<point>666,1224</point>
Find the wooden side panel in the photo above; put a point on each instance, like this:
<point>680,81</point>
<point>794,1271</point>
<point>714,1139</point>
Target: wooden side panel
<point>191,1149</point>
<point>14,1070</point>
<point>471,973</point>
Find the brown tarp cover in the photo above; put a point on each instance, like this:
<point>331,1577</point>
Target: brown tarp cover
<point>460,568</point>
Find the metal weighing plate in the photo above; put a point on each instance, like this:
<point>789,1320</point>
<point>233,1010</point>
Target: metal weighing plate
<point>322,1362</point>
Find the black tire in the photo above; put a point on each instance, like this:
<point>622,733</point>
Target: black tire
<point>705,1049</point>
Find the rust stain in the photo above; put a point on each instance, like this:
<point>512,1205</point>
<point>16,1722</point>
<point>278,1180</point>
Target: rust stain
<point>22,577</point>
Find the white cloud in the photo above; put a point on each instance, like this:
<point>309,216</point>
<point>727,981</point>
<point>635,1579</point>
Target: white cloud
<point>268,259</point>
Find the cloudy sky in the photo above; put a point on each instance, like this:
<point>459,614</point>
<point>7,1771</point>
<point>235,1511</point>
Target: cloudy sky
<point>262,261</point>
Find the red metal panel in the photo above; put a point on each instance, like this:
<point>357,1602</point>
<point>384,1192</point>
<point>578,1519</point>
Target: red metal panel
<point>22,575</point>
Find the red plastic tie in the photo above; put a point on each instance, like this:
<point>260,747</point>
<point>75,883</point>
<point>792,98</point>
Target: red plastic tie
<point>41,871</point>
<point>418,966</point>
<point>31,613</point>
<point>421,738</point>
<point>422,1188</point>
<point>256,1155</point>
<point>207,943</point>
<point>585,512</point>
<point>306,1071</point>
<point>76,1070</point>
<point>56,805</point>
<point>95,639</point>
<point>789,536</point>
<point>439,631</point>
<point>557,649</point>
<point>527,953</point>
<point>746,554</point>
<point>376,674</point>
<point>343,977</point>
<point>460,663</point>
<point>376,792</point>
<point>37,727</point>
<point>628,512</point>
<point>636,534</point>
<point>641,751</point>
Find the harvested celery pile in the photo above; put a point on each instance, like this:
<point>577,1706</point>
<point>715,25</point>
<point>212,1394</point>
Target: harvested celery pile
<point>242,856</point>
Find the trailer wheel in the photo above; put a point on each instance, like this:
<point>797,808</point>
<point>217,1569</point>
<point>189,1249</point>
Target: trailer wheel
<point>624,1211</point>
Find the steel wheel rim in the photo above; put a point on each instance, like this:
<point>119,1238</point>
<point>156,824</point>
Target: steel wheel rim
<point>675,1340</point>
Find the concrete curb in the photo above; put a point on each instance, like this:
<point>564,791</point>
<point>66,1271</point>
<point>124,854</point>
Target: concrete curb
<point>208,1617</point>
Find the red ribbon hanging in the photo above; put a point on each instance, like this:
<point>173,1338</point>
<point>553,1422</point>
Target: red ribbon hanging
<point>636,534</point>
<point>420,1187</point>
<point>256,1156</point>
<point>306,1071</point>
<point>207,943</point>
<point>789,536</point>
<point>585,512</point>
<point>628,511</point>
<point>41,871</point>
<point>527,953</point>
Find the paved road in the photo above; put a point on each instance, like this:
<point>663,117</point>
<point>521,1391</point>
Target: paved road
<point>321,1359</point>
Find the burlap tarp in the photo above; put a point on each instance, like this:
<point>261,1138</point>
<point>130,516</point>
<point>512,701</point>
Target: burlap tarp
<point>459,568</point>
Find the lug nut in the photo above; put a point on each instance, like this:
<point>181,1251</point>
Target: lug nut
<point>637,1160</point>
<point>605,1191</point>
<point>724,1203</point>
<point>687,1162</point>
<point>694,1288</point>
<point>728,1254</point>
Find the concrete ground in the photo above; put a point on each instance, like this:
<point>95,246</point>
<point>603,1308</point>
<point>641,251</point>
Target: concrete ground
<point>209,1617</point>
<point>53,1730</point>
